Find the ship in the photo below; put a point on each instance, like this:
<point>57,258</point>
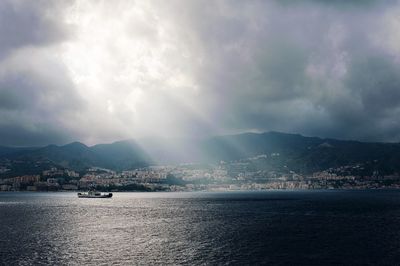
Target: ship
<point>94,194</point>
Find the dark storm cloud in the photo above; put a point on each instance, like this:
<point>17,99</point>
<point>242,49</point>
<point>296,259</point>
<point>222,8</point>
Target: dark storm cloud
<point>41,135</point>
<point>372,107</point>
<point>24,23</point>
<point>340,3</point>
<point>313,67</point>
<point>34,106</point>
<point>322,68</point>
<point>36,94</point>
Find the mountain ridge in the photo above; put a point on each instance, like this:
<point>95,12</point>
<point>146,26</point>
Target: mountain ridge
<point>299,153</point>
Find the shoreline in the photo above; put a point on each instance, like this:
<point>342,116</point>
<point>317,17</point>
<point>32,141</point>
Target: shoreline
<point>212,191</point>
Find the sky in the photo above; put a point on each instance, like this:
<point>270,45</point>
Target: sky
<point>101,71</point>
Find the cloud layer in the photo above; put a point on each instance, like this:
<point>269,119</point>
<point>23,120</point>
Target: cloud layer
<point>99,71</point>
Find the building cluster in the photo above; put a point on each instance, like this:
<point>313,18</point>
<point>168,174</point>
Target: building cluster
<point>54,172</point>
<point>224,176</point>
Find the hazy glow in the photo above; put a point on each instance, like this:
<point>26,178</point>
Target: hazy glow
<point>132,68</point>
<point>100,71</point>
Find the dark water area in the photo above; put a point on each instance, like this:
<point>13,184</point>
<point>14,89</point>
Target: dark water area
<point>232,228</point>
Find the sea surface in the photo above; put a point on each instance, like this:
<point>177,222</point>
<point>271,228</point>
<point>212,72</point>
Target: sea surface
<point>230,228</point>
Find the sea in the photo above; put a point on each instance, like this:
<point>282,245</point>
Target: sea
<point>202,228</point>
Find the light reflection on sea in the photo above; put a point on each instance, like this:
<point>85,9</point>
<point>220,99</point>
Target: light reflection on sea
<point>284,228</point>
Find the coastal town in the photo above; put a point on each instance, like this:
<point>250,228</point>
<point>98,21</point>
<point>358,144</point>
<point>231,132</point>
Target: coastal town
<point>225,176</point>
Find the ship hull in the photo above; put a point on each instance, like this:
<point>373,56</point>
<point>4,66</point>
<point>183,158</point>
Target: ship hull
<point>102,196</point>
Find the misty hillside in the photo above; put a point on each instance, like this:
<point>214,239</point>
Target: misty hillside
<point>298,153</point>
<point>121,155</point>
<point>304,154</point>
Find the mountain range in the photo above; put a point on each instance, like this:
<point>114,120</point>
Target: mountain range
<point>296,152</point>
